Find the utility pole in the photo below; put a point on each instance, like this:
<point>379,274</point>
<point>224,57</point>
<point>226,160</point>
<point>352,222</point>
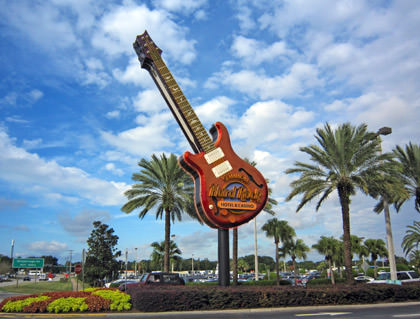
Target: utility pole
<point>71,254</point>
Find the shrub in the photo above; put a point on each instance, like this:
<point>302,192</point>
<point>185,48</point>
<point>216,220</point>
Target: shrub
<point>19,305</point>
<point>119,301</point>
<point>67,304</point>
<point>154,299</point>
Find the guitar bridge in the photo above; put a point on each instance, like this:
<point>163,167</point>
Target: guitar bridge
<point>214,155</point>
<point>222,169</point>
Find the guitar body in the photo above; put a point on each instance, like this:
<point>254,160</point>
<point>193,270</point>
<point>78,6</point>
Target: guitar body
<point>228,191</point>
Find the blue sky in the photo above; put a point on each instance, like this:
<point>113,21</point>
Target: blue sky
<point>77,112</point>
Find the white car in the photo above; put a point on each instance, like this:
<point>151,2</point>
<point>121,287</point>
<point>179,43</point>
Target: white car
<point>402,277</point>
<point>363,279</point>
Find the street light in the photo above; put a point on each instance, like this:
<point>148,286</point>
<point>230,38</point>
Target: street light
<point>389,240</point>
<point>135,263</point>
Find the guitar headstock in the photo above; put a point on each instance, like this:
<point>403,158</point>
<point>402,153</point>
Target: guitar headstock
<point>147,51</point>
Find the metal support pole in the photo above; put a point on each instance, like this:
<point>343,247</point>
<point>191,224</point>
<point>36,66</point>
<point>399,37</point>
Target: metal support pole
<point>223,254</point>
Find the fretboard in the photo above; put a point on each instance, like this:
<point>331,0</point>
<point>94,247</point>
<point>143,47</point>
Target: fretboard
<point>191,126</point>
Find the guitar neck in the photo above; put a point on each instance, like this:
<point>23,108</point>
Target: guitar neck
<point>187,119</point>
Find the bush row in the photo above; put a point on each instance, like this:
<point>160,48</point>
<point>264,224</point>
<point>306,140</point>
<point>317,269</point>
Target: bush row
<point>92,300</point>
<point>152,299</point>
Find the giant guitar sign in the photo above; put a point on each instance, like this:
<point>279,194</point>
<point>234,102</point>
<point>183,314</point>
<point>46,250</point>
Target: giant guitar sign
<point>228,190</point>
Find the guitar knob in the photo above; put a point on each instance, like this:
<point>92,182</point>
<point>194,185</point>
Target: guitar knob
<point>210,206</point>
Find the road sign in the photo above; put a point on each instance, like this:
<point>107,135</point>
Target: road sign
<point>28,262</point>
<point>78,268</point>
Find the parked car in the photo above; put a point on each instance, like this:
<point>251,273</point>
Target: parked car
<point>156,278</point>
<point>402,276</point>
<point>26,278</point>
<point>363,278</point>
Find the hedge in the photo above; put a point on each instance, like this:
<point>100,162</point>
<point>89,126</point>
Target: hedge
<point>156,299</point>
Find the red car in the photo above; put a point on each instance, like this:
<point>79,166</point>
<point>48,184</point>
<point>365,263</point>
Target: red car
<point>155,278</point>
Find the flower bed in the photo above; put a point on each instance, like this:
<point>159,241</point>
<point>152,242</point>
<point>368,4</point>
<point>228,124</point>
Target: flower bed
<point>92,300</point>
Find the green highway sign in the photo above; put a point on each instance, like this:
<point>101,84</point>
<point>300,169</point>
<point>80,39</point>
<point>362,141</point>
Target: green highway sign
<point>28,262</point>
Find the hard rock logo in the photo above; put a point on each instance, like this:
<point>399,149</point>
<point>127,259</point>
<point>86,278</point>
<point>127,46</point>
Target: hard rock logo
<point>235,197</point>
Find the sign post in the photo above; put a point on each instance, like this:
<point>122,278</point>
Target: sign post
<point>77,270</point>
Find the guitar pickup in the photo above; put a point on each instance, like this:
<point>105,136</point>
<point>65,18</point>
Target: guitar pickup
<point>214,155</point>
<point>221,169</point>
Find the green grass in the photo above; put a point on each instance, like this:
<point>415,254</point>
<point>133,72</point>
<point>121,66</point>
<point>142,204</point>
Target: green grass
<point>39,287</point>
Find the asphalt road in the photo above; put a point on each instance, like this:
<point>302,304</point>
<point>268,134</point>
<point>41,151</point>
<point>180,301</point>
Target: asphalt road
<point>378,311</point>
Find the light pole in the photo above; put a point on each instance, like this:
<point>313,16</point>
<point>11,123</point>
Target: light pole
<point>11,255</point>
<point>192,264</point>
<point>135,263</point>
<point>389,239</point>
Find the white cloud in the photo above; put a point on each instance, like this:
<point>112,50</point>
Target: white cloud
<point>255,52</point>
<point>300,79</point>
<point>47,247</point>
<point>118,30</point>
<point>19,167</point>
<point>80,225</point>
<point>35,95</point>
<point>269,121</point>
<point>179,6</point>
<point>110,167</point>
<point>113,114</point>
<point>149,137</point>
<point>149,101</point>
<point>217,109</point>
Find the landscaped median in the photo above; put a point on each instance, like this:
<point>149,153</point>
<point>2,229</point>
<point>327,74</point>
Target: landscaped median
<point>187,298</point>
<point>90,300</point>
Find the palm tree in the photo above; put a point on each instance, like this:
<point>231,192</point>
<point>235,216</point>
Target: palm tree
<point>411,240</point>
<point>376,248</point>
<point>410,160</point>
<point>295,249</point>
<point>329,247</point>
<point>347,159</point>
<point>163,185</point>
<point>279,230</point>
<point>159,252</point>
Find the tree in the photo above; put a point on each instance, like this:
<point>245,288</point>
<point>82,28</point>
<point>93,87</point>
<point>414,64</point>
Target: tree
<point>279,230</point>
<point>159,252</point>
<point>376,248</point>
<point>346,159</point>
<point>295,249</point>
<point>328,247</point>
<point>162,185</point>
<point>411,240</point>
<point>101,255</point>
<point>410,160</point>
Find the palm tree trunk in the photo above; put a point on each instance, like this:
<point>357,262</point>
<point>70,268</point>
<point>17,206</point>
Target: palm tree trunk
<point>390,242</point>
<point>375,269</point>
<point>345,212</point>
<point>235,256</point>
<point>277,264</point>
<point>331,272</point>
<point>294,268</point>
<point>167,240</point>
